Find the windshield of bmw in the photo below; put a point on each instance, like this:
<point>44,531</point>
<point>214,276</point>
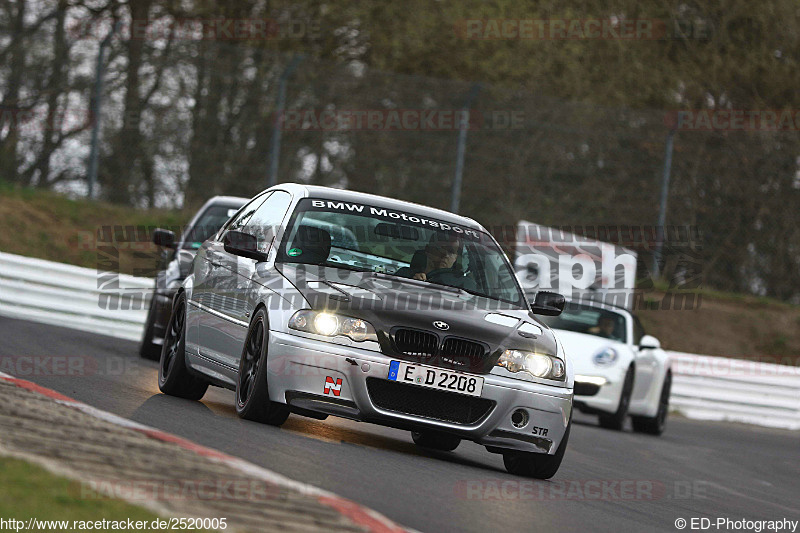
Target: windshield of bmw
<point>586,319</point>
<point>361,237</point>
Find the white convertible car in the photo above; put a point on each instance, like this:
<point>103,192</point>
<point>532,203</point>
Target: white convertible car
<point>619,371</point>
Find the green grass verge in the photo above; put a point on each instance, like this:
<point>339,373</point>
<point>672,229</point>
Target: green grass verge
<point>29,491</point>
<point>751,299</point>
<point>51,226</point>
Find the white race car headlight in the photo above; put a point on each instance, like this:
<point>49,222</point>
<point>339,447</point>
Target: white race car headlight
<point>605,357</point>
<point>331,325</point>
<point>537,365</point>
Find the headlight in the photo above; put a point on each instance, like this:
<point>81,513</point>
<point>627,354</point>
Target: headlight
<point>537,365</point>
<point>331,325</point>
<point>606,356</point>
<point>326,324</point>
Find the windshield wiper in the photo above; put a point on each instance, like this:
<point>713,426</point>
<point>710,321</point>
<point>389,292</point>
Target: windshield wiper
<point>476,293</point>
<point>419,283</point>
<point>334,287</point>
<point>329,265</point>
<point>412,281</point>
<point>449,288</point>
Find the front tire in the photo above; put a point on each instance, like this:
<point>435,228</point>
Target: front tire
<point>655,425</point>
<point>252,392</point>
<point>435,440</point>
<point>173,375</point>
<point>616,421</point>
<point>536,465</point>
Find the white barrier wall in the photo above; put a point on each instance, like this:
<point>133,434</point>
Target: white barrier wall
<point>704,387</point>
<point>719,388</point>
<point>74,297</point>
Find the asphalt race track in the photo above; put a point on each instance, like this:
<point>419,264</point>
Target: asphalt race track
<point>609,481</point>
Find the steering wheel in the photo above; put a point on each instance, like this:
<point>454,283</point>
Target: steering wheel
<point>440,273</point>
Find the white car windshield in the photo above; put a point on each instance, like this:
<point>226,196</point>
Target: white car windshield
<point>591,320</point>
<point>376,239</point>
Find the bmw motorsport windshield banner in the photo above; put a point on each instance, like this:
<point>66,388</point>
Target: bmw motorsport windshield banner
<point>387,214</point>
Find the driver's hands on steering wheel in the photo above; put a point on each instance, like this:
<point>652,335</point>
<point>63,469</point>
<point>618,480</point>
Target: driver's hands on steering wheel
<point>437,275</point>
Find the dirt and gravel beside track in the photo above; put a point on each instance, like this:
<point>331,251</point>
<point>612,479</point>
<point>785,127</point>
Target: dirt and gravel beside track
<point>114,461</point>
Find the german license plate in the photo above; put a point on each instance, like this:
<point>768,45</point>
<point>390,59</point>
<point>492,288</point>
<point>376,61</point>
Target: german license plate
<point>435,378</point>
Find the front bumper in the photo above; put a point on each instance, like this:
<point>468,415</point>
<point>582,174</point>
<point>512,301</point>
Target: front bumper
<point>314,375</point>
<point>162,310</point>
<point>608,387</point>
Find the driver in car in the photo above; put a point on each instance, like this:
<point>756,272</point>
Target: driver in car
<point>605,327</point>
<point>436,263</point>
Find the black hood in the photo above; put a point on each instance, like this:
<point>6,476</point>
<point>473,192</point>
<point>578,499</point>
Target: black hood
<point>404,311</point>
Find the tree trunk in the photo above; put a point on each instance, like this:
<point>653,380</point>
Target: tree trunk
<point>9,160</point>
<point>124,168</point>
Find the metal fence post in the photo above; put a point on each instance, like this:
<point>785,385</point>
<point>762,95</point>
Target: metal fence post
<point>275,145</point>
<point>455,199</point>
<point>96,106</point>
<point>662,209</point>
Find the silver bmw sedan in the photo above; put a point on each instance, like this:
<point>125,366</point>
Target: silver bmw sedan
<point>318,302</point>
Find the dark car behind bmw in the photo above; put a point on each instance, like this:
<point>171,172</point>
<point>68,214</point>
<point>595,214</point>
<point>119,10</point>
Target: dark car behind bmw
<point>177,255</point>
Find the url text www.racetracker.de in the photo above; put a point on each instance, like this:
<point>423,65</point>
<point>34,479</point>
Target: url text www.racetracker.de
<point>735,524</point>
<point>34,524</point>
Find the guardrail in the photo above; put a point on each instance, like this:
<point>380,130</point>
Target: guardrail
<point>719,388</point>
<point>704,387</point>
<point>74,297</point>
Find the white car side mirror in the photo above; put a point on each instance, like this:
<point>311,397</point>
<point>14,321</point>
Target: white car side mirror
<point>649,342</point>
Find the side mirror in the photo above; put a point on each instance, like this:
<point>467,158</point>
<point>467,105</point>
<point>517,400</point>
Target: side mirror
<point>548,303</point>
<point>648,342</point>
<point>242,244</point>
<point>185,258</point>
<point>164,237</point>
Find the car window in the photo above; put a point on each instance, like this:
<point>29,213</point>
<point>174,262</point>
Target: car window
<point>341,237</point>
<point>266,219</point>
<point>489,270</point>
<point>209,222</point>
<point>238,221</point>
<point>355,236</point>
<point>591,320</point>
